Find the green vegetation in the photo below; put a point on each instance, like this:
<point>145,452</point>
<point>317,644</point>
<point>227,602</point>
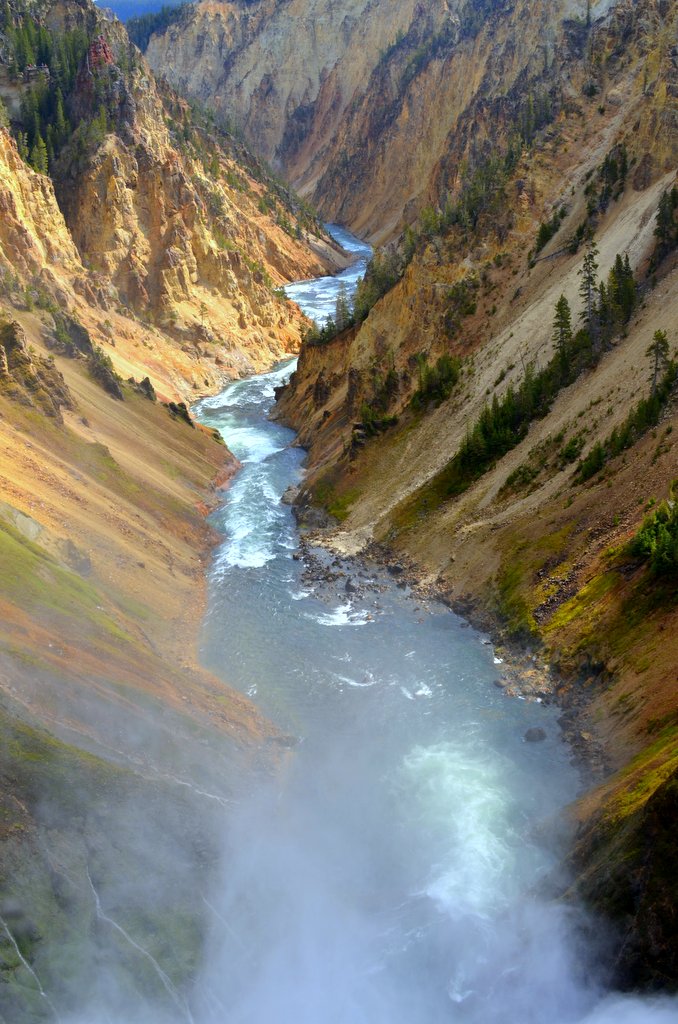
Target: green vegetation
<point>606,186</point>
<point>610,181</point>
<point>571,451</point>
<point>666,227</point>
<point>606,307</point>
<point>504,422</point>
<point>551,455</point>
<point>644,415</point>
<point>141,28</point>
<point>480,204</point>
<point>210,139</point>
<point>435,382</point>
<point>31,43</point>
<point>372,422</point>
<point>101,369</point>
<point>54,834</point>
<point>374,415</point>
<point>548,229</point>
<point>46,126</point>
<point>32,578</point>
<point>383,271</point>
<point>460,302</point>
<point>422,56</point>
<point>518,591</point>
<point>338,504</point>
<point>511,603</point>
<point>656,542</point>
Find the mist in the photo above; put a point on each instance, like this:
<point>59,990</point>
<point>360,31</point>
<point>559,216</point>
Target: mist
<point>313,914</point>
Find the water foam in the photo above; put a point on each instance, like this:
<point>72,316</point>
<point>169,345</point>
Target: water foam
<point>465,812</point>
<point>341,616</point>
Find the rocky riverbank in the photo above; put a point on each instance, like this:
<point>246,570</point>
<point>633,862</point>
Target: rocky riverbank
<point>523,672</point>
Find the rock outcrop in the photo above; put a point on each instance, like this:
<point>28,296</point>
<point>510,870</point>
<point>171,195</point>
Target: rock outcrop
<point>28,378</point>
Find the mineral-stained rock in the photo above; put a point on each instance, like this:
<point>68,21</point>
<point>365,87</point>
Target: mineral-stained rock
<point>28,378</point>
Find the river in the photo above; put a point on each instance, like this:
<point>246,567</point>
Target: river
<point>394,874</point>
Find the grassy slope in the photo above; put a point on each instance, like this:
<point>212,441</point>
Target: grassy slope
<point>63,815</point>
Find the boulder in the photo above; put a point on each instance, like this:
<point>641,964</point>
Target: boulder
<point>535,735</point>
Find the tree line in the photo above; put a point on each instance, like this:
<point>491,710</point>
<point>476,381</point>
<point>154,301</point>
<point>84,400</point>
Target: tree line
<point>642,417</point>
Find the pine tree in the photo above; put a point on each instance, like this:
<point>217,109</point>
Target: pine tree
<point>38,156</point>
<point>666,230</point>
<point>60,123</point>
<point>562,330</point>
<point>22,146</point>
<point>43,46</point>
<point>51,152</point>
<point>587,290</point>
<point>618,299</point>
<point>36,133</point>
<point>658,350</point>
<point>342,309</point>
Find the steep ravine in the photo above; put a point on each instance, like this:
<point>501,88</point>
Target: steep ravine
<point>116,745</point>
<point>376,111</point>
<point>140,271</point>
<point>545,564</point>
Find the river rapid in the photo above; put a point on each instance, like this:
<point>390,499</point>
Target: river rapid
<point>395,872</point>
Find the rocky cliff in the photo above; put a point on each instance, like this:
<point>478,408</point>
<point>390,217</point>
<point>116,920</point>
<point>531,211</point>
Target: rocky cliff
<point>153,225</point>
<point>372,111</point>
<point>290,73</point>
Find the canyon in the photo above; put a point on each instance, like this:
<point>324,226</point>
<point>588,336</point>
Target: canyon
<point>490,149</point>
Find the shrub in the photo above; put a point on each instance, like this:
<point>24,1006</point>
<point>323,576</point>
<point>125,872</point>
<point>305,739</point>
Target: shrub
<point>435,382</point>
<point>656,541</point>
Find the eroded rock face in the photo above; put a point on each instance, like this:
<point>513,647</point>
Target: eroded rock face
<point>288,73</point>
<point>370,109</point>
<point>166,235</point>
<point>34,238</point>
<point>28,378</point>
<point>153,231</point>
